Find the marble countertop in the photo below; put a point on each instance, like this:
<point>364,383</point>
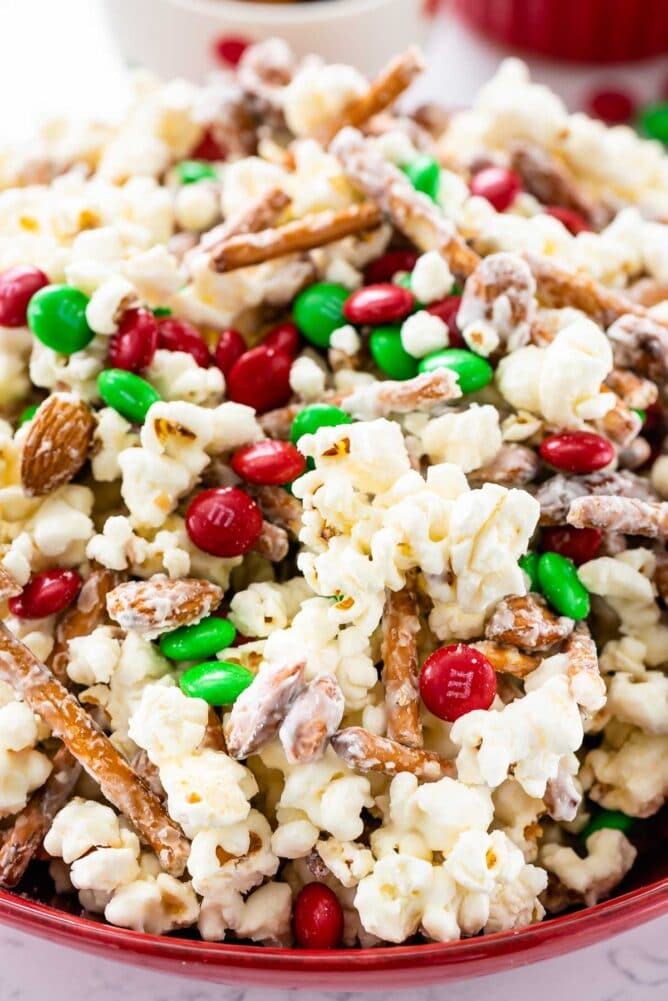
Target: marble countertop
<point>72,47</point>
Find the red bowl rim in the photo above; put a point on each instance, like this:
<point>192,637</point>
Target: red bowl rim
<point>573,930</point>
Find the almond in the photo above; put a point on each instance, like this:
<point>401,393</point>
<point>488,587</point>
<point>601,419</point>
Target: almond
<point>152,607</point>
<point>57,444</point>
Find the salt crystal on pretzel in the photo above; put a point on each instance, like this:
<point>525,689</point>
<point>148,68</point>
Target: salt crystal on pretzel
<point>8,586</point>
<point>367,752</point>
<point>272,543</point>
<point>30,679</point>
<point>24,838</point>
<point>311,720</point>
<point>556,495</point>
<point>583,673</point>
<point>261,708</point>
<point>307,233</point>
<point>280,508</point>
<point>632,389</point>
<point>401,625</point>
<point>413,213</point>
<point>382,93</point>
<point>507,659</point>
<point>422,393</point>
<point>513,465</point>
<point>159,605</point>
<point>81,618</point>
<point>527,622</point>
<point>620,514</point>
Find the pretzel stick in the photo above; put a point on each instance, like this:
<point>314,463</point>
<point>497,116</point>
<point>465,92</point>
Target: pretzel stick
<point>620,514</point>
<point>20,669</point>
<point>8,586</point>
<point>307,233</point>
<point>507,659</point>
<point>31,825</point>
<point>400,666</point>
<point>367,752</point>
<point>260,214</point>
<point>559,287</point>
<point>382,93</point>
<point>281,508</point>
<point>526,621</point>
<point>80,619</point>
<point>423,393</point>
<point>411,212</point>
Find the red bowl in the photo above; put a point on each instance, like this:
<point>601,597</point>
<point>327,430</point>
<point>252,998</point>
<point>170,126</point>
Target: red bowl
<point>593,31</point>
<point>359,969</point>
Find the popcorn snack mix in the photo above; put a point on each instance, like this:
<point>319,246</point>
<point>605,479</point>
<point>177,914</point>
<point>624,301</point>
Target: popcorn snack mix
<point>333,507</point>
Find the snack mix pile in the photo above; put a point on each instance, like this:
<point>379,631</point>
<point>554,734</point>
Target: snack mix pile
<point>332,539</point>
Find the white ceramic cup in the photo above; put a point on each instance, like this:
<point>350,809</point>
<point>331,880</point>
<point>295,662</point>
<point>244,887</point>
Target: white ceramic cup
<point>181,37</point>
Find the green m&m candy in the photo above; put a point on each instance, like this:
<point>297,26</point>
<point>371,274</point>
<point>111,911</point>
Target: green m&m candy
<point>317,415</point>
<point>203,639</point>
<point>424,173</point>
<point>161,311</point>
<point>318,311</point>
<point>473,371</point>
<point>558,580</point>
<point>128,394</point>
<point>653,121</point>
<point>192,171</point>
<point>529,564</point>
<point>389,353</point>
<point>57,317</point>
<point>28,414</point>
<point>614,819</point>
<point>218,682</point>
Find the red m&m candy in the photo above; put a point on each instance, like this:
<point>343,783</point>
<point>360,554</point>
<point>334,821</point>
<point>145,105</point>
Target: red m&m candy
<point>17,287</point>
<point>577,451</point>
<point>318,918</point>
<point>261,378</point>
<point>285,337</point>
<point>456,680</point>
<point>614,107</point>
<point>268,463</point>
<point>378,304</point>
<point>572,220</point>
<point>45,594</point>
<point>231,345</point>
<point>223,521</point>
<point>133,345</point>
<point>179,335</point>
<point>384,268</point>
<point>577,544</point>
<point>498,185</point>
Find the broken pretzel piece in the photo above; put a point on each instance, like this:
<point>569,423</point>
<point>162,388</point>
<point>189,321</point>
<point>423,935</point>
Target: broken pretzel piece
<point>29,828</point>
<point>280,508</point>
<point>261,708</point>
<point>295,237</point>
<point>400,666</point>
<point>513,465</point>
<point>636,392</point>
<point>382,93</point>
<point>367,752</point>
<point>422,393</point>
<point>30,679</point>
<point>620,514</point>
<point>527,622</point>
<point>311,720</point>
<point>583,673</point>
<point>507,659</point>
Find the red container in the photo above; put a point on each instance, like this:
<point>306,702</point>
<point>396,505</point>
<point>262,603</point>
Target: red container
<point>590,31</point>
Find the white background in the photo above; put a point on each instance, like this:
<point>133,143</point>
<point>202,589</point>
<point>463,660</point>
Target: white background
<point>55,58</point>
